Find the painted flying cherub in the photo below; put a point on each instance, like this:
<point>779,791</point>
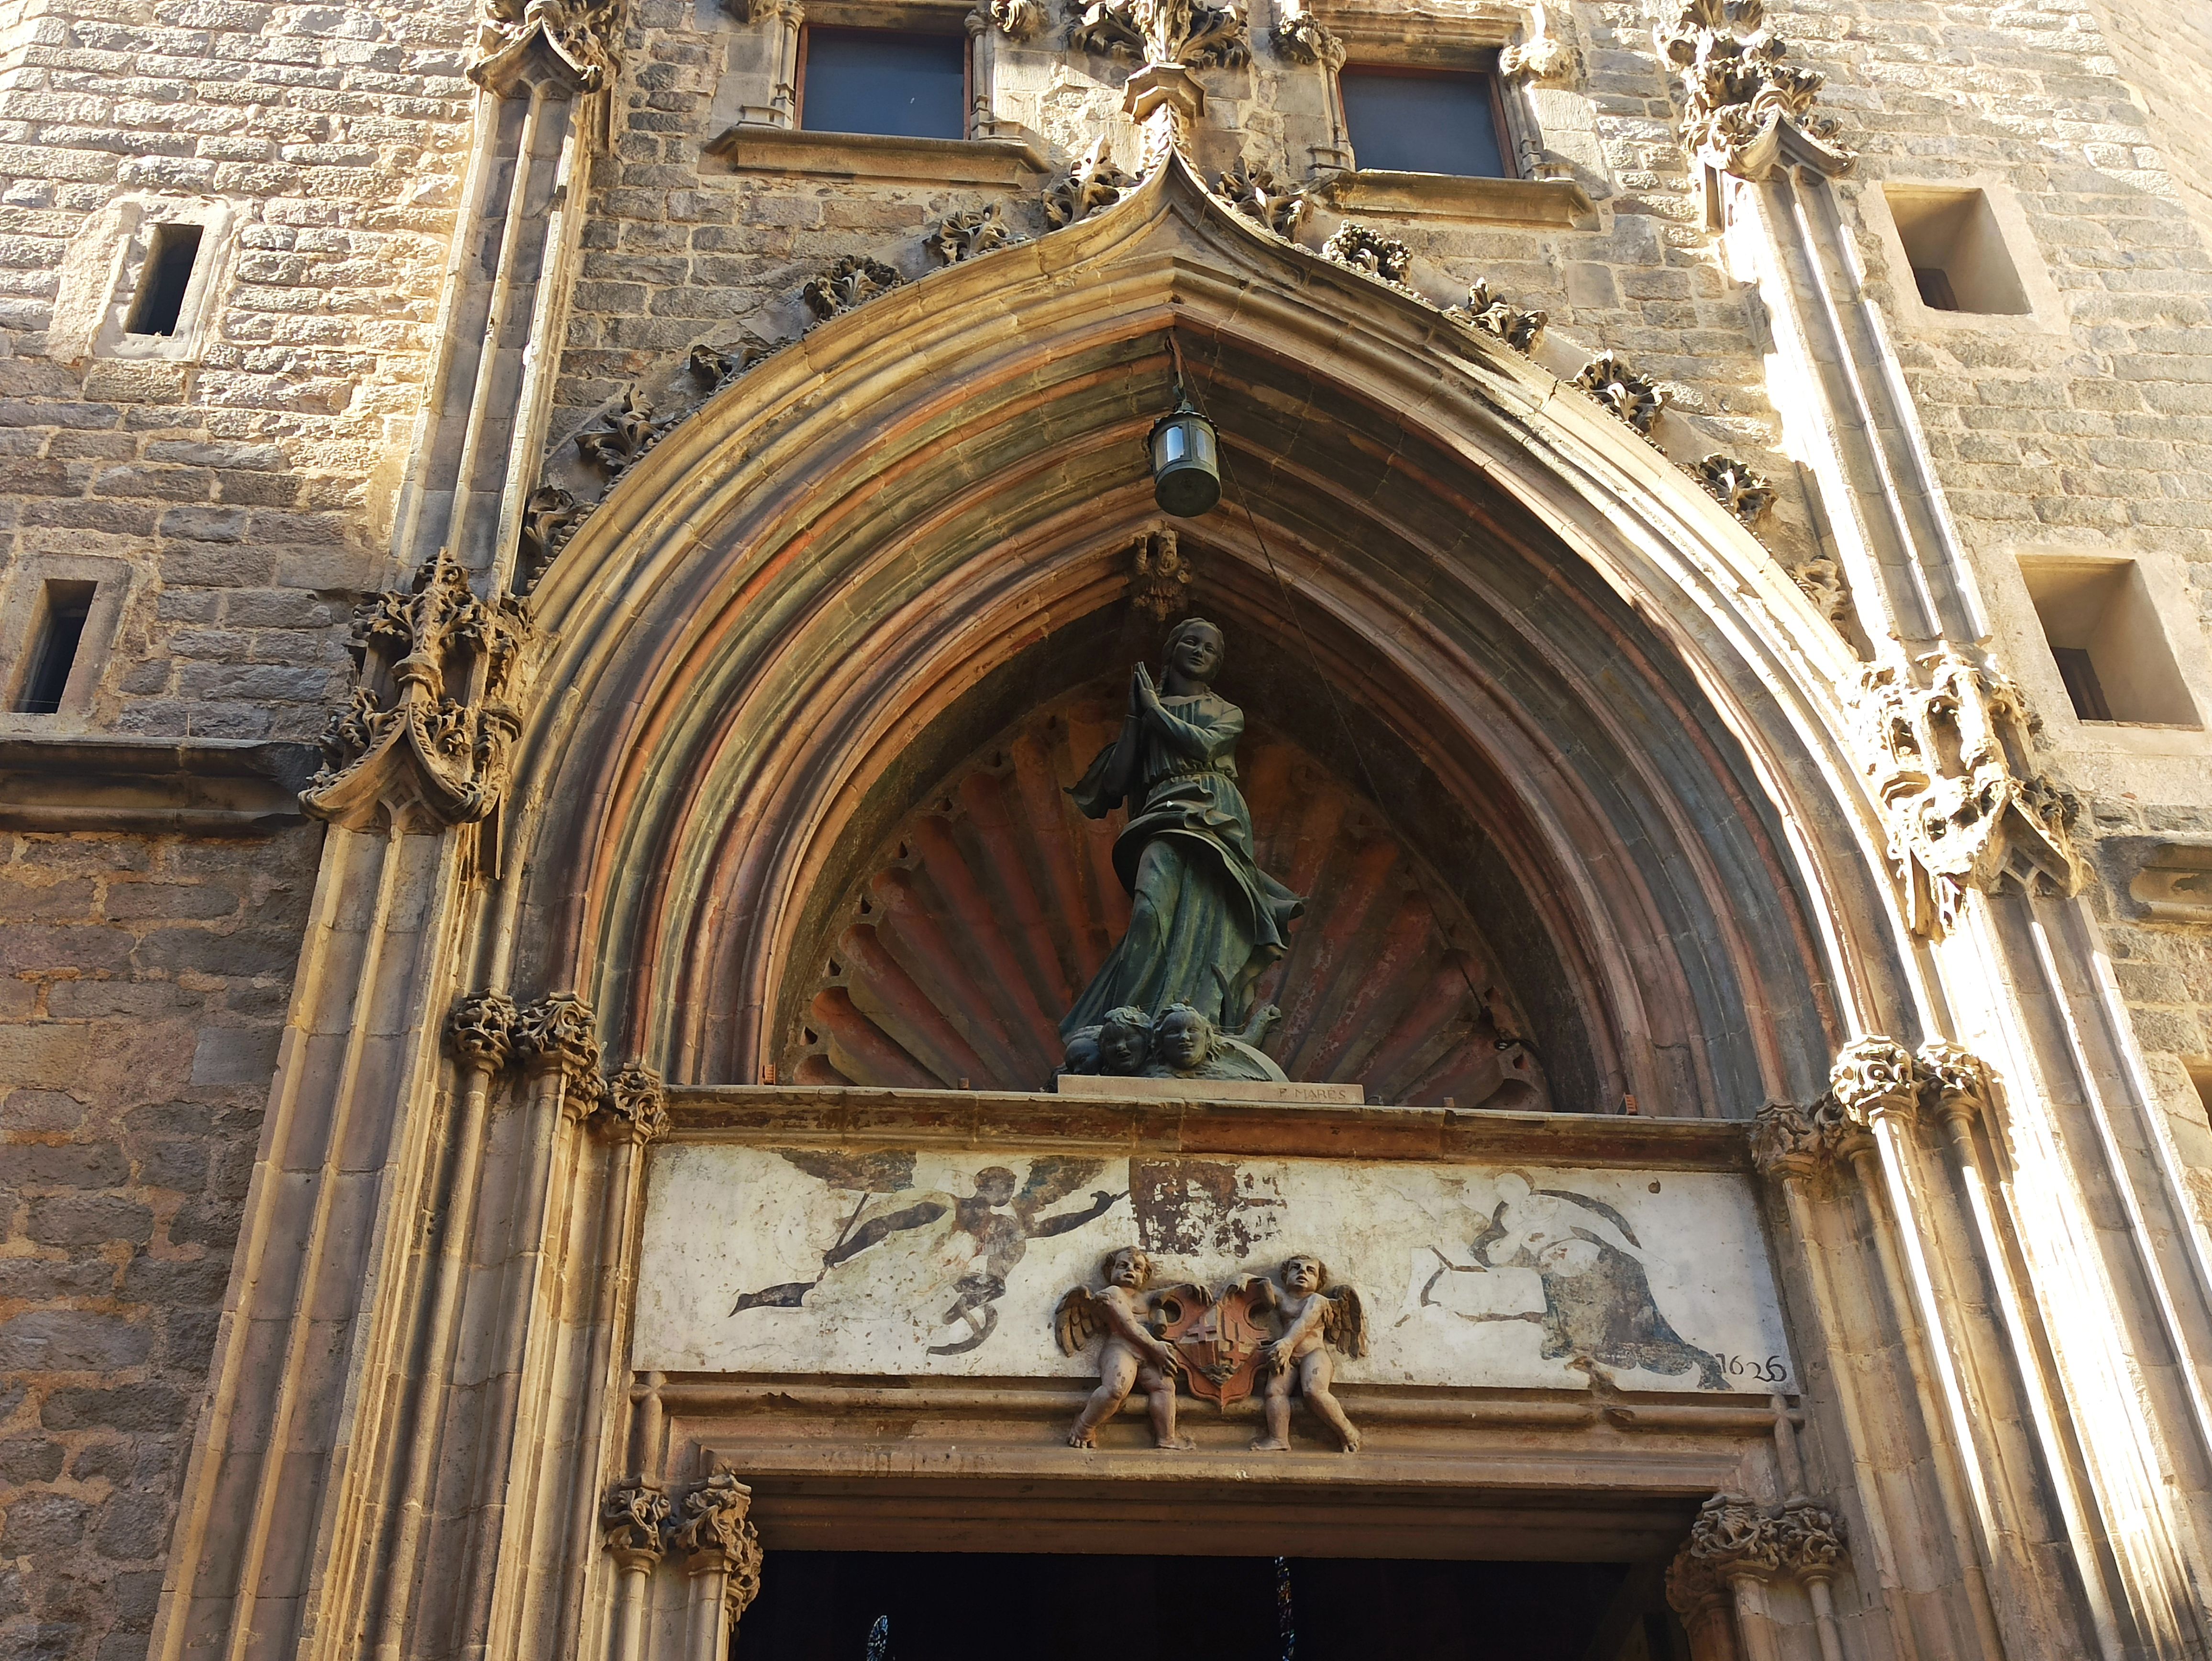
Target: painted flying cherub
<point>1129,1316</point>
<point>1315,1316</point>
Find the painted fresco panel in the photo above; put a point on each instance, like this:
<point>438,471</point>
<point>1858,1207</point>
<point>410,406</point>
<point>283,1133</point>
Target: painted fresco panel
<point>904,1263</point>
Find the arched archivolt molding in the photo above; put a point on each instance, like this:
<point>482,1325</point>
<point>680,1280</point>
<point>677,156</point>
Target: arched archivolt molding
<point>819,578</point>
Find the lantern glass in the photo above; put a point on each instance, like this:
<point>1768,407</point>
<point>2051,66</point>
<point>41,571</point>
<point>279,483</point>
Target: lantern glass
<point>1186,465</point>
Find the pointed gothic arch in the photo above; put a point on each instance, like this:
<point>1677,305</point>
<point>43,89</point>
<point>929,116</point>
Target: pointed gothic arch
<point>806,603</point>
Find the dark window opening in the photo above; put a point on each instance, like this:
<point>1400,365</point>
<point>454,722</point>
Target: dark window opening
<point>1425,121</point>
<point>2082,687</point>
<point>961,1606</point>
<point>54,647</point>
<point>1936,291</point>
<point>163,279</point>
<point>875,80</point>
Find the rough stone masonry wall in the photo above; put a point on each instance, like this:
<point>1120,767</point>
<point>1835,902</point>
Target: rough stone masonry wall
<point>142,982</point>
<point>142,991</point>
<point>2098,441</point>
<point>2164,49</point>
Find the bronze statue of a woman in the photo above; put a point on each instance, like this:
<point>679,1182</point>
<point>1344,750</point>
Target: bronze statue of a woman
<point>1205,920</point>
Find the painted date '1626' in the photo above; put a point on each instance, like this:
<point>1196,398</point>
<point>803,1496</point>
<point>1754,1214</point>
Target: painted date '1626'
<point>1772,1370</point>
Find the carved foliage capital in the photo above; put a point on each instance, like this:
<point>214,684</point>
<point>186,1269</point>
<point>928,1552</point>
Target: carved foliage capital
<point>1299,36</point>
<point>634,1108</point>
<point>556,1034</point>
<point>1735,1538</point>
<point>1873,1078</point>
<point>717,1536</point>
<point>633,1523</point>
<point>422,742</point>
<point>480,1031</point>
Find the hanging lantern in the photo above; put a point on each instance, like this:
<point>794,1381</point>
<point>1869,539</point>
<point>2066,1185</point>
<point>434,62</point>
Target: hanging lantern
<point>1186,462</point>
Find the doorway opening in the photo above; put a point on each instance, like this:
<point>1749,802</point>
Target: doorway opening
<point>977,1606</point>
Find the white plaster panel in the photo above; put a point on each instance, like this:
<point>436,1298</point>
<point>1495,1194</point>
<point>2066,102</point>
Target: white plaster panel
<point>1662,1277</point>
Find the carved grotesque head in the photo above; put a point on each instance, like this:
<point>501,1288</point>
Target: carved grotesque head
<point>1196,648</point>
<point>1125,1040</point>
<point>1304,1274</point>
<point>1183,1039</point>
<point>1128,1268</point>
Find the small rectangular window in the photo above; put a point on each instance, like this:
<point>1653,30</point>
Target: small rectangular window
<point>60,630</point>
<point>163,280</point>
<point>2083,690</point>
<point>876,81</point>
<point>1935,286</point>
<point>1446,121</point>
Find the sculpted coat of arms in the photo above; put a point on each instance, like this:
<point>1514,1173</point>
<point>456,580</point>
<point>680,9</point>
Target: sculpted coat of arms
<point>1221,1347</point>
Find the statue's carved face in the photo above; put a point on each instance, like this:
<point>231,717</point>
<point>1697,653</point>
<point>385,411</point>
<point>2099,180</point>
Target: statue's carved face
<point>1182,1039</point>
<point>1129,1270</point>
<point>1123,1049</point>
<point>1303,1275</point>
<point>1196,652</point>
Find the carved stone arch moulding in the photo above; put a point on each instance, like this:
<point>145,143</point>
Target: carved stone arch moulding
<point>993,903</point>
<point>776,607</point>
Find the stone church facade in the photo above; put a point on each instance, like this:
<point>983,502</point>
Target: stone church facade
<point>554,596</point>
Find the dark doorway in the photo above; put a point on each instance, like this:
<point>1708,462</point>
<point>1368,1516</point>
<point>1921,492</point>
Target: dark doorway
<point>917,1606</point>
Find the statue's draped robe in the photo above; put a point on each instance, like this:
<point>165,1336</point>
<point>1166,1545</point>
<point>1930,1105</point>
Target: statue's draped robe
<point>1205,921</point>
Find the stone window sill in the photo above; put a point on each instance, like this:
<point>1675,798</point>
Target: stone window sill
<point>1009,163</point>
<point>105,782</point>
<point>1454,195</point>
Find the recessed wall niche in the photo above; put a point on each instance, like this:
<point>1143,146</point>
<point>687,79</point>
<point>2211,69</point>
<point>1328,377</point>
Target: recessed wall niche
<point>2102,626</point>
<point>1957,251</point>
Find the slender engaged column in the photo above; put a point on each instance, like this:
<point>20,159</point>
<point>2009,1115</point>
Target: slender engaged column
<point>634,1522</point>
<point>722,1554</point>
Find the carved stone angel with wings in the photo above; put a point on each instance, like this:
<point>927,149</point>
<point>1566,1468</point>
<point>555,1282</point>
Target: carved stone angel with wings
<point>1130,1315</point>
<point>1315,1317</point>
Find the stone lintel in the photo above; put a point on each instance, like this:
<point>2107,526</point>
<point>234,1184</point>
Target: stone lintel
<point>865,158</point>
<point>1452,195</point>
<point>1214,1090</point>
<point>198,787</point>
<point>969,1119</point>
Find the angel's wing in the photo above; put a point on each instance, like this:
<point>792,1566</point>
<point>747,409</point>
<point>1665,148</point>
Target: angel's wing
<point>1052,1178</point>
<point>887,1172</point>
<point>1344,1321</point>
<point>1077,1321</point>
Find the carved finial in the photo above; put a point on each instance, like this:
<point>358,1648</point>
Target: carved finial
<point>1487,314</point>
<point>1746,494</point>
<point>1299,36</point>
<point>1740,95</point>
<point>634,1108</point>
<point>1189,32</point>
<point>567,46</point>
<point>480,1031</point>
<point>633,1519</point>
<point>1949,761</point>
<point>1369,250</point>
<point>853,281</point>
<point>1625,393</point>
<point>432,753</point>
<point>1018,20</point>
